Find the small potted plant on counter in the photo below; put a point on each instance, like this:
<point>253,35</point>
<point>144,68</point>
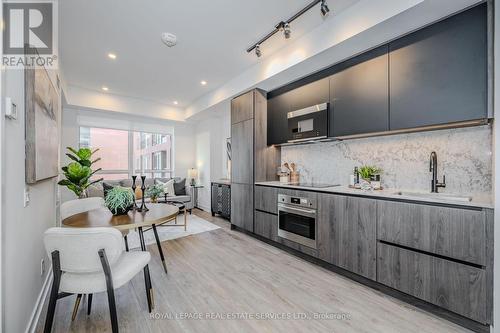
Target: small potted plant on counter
<point>369,174</point>
<point>154,192</point>
<point>119,200</point>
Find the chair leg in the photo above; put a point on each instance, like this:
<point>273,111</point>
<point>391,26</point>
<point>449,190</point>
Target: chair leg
<point>185,221</point>
<point>54,292</point>
<point>160,249</point>
<point>126,242</point>
<point>110,290</point>
<point>147,278</point>
<point>75,307</point>
<point>89,304</point>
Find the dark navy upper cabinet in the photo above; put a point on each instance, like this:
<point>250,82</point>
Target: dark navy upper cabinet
<point>309,94</point>
<point>438,75</point>
<point>278,105</point>
<point>277,123</point>
<point>359,95</point>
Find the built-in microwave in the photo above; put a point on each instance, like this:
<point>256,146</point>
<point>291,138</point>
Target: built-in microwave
<point>310,123</point>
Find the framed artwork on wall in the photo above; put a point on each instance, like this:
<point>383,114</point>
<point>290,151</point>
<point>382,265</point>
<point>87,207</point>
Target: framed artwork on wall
<point>41,125</point>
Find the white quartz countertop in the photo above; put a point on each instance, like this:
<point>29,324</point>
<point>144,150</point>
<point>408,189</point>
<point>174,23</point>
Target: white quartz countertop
<point>386,193</point>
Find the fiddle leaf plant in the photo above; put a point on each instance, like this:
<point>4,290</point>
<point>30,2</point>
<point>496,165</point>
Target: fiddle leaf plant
<point>79,172</point>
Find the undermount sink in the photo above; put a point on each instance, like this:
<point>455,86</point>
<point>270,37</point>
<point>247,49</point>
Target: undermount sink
<point>441,196</point>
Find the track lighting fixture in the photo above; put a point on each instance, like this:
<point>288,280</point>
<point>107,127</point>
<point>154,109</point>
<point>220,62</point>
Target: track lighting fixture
<point>324,8</point>
<point>286,30</point>
<point>285,25</point>
<point>258,53</point>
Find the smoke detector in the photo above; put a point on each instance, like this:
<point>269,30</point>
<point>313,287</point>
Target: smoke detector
<point>169,39</point>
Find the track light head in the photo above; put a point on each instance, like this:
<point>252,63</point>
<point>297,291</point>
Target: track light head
<point>286,30</point>
<point>324,8</point>
<point>258,53</point>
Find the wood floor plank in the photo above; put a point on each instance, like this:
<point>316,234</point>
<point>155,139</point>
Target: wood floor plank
<point>227,272</point>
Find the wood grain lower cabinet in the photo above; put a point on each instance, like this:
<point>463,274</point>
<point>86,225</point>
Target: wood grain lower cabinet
<point>454,286</point>
<point>242,206</point>
<point>452,232</point>
<point>266,225</point>
<point>347,233</point>
<point>266,199</point>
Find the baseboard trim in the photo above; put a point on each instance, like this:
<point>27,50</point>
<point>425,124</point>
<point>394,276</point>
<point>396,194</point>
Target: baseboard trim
<point>37,310</point>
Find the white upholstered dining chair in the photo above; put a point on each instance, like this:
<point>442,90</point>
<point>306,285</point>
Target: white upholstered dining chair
<point>92,260</point>
<point>73,207</point>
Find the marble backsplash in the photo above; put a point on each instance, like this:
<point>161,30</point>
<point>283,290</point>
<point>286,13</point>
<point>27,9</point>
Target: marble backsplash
<point>464,156</point>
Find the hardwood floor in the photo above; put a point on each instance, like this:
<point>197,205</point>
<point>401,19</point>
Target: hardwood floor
<point>224,272</point>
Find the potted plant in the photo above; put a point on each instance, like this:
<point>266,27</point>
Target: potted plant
<point>78,172</point>
<point>367,174</point>
<point>119,200</point>
<point>154,192</point>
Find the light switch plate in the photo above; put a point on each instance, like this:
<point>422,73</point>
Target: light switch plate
<point>10,108</point>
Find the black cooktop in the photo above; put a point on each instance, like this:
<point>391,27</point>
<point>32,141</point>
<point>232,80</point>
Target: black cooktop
<point>314,185</point>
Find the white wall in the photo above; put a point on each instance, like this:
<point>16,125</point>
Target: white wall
<point>211,135</point>
<point>23,227</point>
<point>184,139</point>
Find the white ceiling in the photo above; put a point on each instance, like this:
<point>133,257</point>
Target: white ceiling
<point>212,39</point>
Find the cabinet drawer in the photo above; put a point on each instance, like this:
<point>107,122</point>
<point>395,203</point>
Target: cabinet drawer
<point>454,286</point>
<point>266,199</point>
<point>266,225</point>
<point>451,232</point>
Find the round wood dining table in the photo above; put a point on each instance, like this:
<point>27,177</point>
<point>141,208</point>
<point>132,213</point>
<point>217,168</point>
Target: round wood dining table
<point>102,217</point>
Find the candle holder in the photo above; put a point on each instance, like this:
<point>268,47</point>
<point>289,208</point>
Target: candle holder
<point>143,207</point>
<point>134,178</point>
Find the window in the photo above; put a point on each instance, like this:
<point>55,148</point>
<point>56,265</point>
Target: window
<point>152,154</point>
<point>126,153</point>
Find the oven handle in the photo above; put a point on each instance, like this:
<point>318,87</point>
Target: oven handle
<point>301,211</point>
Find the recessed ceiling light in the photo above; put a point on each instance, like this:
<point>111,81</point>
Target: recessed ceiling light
<point>175,102</point>
<point>105,88</point>
<point>203,83</point>
<point>112,56</point>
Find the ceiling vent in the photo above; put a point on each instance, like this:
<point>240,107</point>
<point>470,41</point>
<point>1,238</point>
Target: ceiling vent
<point>169,39</point>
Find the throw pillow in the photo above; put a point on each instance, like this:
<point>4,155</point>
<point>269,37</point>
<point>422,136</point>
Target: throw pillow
<point>180,187</point>
<point>168,187</point>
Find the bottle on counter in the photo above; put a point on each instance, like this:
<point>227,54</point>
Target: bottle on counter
<point>356,177</point>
